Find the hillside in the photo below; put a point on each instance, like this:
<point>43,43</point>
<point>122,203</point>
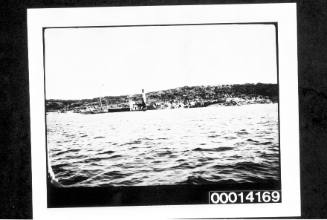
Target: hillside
<point>191,96</point>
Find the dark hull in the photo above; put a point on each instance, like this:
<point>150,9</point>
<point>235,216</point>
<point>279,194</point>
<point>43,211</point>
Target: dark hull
<point>118,110</point>
<point>93,112</point>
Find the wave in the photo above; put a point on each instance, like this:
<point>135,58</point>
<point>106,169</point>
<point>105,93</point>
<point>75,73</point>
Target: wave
<point>107,152</point>
<point>199,180</point>
<point>66,152</point>
<point>132,142</point>
<point>165,153</point>
<point>114,174</point>
<point>73,179</point>
<point>245,166</point>
<point>249,166</point>
<point>242,132</point>
<point>214,136</point>
<point>218,149</point>
<point>196,180</point>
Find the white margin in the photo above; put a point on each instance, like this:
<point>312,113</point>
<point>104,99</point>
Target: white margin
<point>284,14</point>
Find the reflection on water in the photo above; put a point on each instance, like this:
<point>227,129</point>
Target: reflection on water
<point>165,147</point>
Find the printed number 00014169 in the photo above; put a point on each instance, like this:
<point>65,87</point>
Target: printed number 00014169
<point>232,197</point>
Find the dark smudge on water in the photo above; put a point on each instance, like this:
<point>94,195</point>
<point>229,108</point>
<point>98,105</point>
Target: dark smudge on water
<point>218,149</point>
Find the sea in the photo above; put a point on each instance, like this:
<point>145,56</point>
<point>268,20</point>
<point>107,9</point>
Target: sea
<point>208,145</point>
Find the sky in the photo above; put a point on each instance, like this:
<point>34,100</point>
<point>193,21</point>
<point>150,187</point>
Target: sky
<point>91,62</point>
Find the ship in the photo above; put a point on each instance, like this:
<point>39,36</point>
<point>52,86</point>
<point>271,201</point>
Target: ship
<point>133,106</point>
<point>95,110</point>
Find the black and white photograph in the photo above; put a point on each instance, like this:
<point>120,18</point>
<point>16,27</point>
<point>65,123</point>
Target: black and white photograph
<point>162,105</point>
<point>163,113</point>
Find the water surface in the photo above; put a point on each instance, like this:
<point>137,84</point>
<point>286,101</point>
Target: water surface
<point>165,147</point>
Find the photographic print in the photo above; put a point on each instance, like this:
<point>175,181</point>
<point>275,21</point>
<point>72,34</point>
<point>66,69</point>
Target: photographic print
<point>158,111</point>
<point>162,105</point>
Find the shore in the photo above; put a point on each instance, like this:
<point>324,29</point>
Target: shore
<point>182,97</point>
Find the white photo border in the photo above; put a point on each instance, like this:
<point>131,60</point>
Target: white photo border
<point>282,14</point>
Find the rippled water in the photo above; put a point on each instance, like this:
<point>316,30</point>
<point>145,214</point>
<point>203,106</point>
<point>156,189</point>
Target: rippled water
<point>165,147</point>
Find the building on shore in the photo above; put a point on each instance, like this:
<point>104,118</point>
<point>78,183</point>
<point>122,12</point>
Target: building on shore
<point>140,105</point>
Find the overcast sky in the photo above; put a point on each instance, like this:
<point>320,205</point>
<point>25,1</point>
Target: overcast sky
<point>92,62</point>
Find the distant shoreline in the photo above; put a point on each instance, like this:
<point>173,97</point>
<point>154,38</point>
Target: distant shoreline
<point>182,97</point>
